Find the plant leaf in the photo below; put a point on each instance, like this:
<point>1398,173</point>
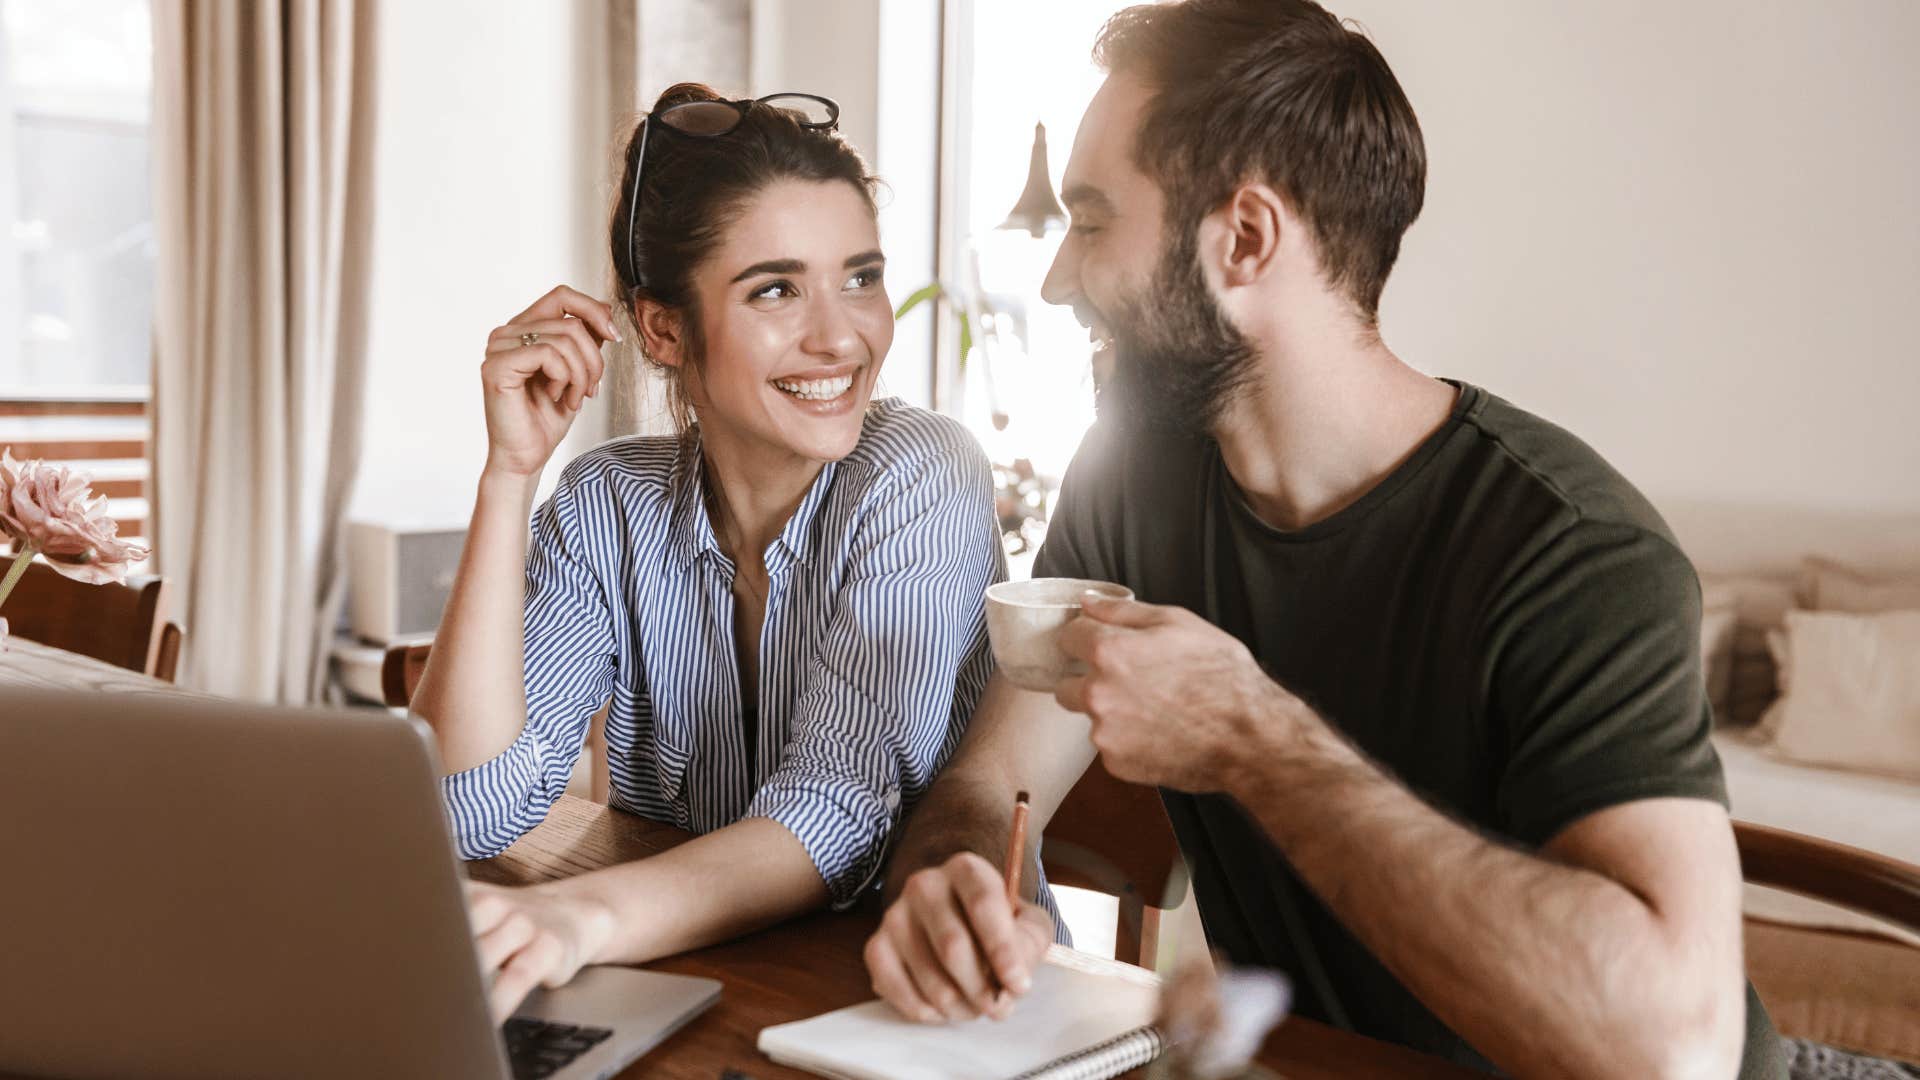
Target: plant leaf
<point>924,293</point>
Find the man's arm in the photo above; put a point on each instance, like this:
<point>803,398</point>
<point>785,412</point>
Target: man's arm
<point>948,935</point>
<point>1614,951</point>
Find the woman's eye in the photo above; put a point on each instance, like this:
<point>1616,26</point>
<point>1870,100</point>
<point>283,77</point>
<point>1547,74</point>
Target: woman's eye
<point>865,279</point>
<point>774,290</point>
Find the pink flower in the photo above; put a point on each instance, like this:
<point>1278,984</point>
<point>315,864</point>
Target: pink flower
<point>53,509</point>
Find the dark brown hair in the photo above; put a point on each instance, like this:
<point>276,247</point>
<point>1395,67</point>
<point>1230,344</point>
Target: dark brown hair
<point>1278,92</point>
<point>693,189</point>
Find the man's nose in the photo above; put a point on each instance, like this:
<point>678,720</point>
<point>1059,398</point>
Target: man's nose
<point>1062,283</point>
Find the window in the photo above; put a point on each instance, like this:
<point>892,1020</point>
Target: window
<point>76,240</point>
<point>78,265</point>
<point>1026,389</point>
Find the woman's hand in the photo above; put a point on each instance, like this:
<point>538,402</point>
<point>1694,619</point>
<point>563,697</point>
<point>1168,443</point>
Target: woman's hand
<point>536,936</point>
<point>533,391</point>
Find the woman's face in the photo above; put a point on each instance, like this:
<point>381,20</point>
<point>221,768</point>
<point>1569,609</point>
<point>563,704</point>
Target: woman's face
<point>796,321</point>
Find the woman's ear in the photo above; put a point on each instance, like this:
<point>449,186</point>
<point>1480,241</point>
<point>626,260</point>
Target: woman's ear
<point>662,337</point>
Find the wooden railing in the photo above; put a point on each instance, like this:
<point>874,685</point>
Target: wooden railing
<point>104,435</point>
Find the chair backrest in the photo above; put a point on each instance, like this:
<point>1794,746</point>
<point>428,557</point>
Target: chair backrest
<point>166,664</point>
<point>1850,877</point>
<point>119,624</point>
<point>400,672</point>
<point>1113,837</point>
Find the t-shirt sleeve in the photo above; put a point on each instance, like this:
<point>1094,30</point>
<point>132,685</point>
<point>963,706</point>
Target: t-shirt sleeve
<point>1083,529</point>
<point>1594,681</point>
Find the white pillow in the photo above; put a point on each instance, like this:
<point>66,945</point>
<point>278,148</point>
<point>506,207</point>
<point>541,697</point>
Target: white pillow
<point>1828,586</point>
<point>1850,691</point>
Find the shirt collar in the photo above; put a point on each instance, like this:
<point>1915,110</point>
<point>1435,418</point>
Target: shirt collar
<point>799,527</point>
<point>692,530</point>
<point>693,534</point>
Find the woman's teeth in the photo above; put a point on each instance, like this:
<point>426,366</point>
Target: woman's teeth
<point>816,389</point>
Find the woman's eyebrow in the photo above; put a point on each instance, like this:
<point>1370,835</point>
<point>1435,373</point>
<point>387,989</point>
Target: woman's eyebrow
<point>795,266</point>
<point>770,266</point>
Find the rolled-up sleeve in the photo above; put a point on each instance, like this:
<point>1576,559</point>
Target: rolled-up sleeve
<point>902,661</point>
<point>569,671</point>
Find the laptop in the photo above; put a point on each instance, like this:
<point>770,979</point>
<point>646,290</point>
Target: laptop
<point>196,887</point>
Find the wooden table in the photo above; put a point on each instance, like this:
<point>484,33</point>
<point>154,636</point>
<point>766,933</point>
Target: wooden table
<point>813,964</point>
<point>790,972</point>
<point>43,667</point>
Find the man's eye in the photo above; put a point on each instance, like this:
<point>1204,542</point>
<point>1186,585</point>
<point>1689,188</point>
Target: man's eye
<point>774,290</point>
<point>1081,228</point>
<point>865,279</point>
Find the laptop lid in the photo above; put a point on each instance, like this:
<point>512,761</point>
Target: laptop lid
<point>195,887</point>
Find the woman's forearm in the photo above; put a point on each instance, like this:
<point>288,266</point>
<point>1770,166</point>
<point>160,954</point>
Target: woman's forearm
<point>730,882</point>
<point>473,691</point>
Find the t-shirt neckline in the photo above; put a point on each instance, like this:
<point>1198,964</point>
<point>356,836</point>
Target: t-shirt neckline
<point>1464,401</point>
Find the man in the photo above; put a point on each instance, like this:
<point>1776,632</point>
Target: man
<point>1417,672</point>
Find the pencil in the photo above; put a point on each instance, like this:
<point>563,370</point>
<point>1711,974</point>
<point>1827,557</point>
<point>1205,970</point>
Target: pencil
<point>1016,851</point>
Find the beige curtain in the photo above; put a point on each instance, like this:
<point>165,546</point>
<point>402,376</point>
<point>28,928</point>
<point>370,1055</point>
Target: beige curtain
<point>262,140</point>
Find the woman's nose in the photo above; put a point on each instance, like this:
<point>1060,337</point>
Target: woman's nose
<point>830,332</point>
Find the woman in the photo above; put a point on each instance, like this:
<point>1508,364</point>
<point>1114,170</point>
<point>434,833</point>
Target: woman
<point>783,604</point>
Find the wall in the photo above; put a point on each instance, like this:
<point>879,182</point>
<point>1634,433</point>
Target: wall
<point>491,129</point>
<point>848,50</point>
<point>1689,232</point>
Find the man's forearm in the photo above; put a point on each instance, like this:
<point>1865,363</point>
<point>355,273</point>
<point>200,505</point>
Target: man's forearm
<point>961,812</point>
<point>1018,741</point>
<point>1548,968</point>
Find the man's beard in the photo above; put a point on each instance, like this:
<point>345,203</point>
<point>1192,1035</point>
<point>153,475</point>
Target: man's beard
<point>1178,361</point>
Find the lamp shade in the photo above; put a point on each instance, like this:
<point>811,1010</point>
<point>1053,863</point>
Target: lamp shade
<point>1038,211</point>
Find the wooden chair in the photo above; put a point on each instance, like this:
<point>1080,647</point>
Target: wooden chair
<point>1849,877</point>
<point>1114,837</point>
<point>121,624</point>
<point>1858,991</point>
<point>400,671</point>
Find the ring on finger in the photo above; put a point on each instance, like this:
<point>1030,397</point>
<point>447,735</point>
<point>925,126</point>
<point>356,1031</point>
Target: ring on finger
<point>531,337</point>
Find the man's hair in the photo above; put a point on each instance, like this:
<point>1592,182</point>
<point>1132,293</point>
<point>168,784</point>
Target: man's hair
<point>1277,92</point>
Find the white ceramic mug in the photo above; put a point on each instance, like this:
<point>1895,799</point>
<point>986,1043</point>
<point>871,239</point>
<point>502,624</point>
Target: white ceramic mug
<point>1024,620</point>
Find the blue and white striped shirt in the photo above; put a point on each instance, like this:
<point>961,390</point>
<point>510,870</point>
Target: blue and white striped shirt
<point>872,656</point>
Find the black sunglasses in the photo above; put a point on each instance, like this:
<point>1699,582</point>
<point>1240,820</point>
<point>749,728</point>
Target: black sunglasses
<point>711,120</point>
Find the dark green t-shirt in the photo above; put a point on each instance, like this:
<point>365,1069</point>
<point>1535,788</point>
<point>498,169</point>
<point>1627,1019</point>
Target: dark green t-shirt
<point>1503,623</point>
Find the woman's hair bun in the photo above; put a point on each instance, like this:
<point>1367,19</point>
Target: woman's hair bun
<point>682,93</point>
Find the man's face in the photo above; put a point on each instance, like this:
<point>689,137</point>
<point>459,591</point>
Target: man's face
<point>1177,360</point>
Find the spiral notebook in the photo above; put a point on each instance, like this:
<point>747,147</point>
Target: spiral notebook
<point>1086,1018</point>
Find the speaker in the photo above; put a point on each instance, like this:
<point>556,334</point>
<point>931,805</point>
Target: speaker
<point>400,577</point>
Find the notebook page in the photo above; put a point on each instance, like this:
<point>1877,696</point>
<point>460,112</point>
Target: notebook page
<point>1077,1001</point>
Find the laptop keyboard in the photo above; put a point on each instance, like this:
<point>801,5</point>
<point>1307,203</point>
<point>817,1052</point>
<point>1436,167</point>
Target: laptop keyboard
<point>539,1048</point>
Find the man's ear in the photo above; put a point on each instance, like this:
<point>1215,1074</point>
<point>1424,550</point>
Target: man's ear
<point>1241,238</point>
<point>662,335</point>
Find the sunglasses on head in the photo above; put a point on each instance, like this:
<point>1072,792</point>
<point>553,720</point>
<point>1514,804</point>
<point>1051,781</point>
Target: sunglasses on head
<point>711,120</point>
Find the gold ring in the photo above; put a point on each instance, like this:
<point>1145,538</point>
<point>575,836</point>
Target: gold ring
<point>531,337</point>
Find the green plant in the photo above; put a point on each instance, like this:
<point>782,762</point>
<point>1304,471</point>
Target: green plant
<point>967,310</point>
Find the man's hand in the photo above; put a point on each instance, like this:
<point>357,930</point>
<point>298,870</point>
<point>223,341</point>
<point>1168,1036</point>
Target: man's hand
<point>531,937</point>
<point>1174,701</point>
<point>950,942</point>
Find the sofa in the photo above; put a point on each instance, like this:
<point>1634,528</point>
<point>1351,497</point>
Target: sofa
<point>1769,578</point>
